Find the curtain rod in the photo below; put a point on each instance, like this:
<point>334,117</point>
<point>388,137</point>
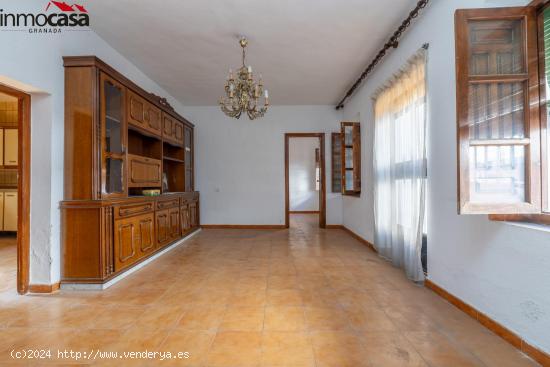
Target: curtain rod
<point>392,43</point>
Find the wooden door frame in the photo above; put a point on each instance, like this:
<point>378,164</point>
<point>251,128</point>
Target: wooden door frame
<point>23,186</point>
<point>322,191</point>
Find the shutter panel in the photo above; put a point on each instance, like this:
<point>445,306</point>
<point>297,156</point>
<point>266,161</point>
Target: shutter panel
<point>498,123</point>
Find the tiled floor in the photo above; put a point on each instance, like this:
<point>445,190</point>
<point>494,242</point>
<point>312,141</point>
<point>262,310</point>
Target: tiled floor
<point>302,297</point>
<point>8,261</point>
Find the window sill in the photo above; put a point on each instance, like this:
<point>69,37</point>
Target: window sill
<point>539,222</point>
<point>536,227</point>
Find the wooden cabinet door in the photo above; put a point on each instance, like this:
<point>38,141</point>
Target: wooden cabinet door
<point>143,114</point>
<point>193,215</point>
<point>167,127</point>
<point>127,242</point>
<point>153,119</point>
<point>185,220</point>
<point>11,144</point>
<point>178,132</point>
<point>174,223</point>
<point>113,137</point>
<point>143,171</point>
<point>1,211</point>
<point>1,147</point>
<point>10,211</point>
<point>136,109</point>
<point>163,227</point>
<point>146,233</point>
<point>188,154</point>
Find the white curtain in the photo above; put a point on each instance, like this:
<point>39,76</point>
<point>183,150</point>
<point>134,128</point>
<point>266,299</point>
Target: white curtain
<point>400,167</point>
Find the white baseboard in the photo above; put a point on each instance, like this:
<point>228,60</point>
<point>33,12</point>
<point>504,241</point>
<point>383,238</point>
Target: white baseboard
<point>118,278</point>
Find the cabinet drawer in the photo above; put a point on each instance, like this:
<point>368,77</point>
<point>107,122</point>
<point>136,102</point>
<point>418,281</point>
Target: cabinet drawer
<point>165,204</point>
<point>131,210</point>
<point>143,171</point>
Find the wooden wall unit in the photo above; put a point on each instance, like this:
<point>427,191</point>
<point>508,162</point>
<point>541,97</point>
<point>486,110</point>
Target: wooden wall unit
<point>119,141</point>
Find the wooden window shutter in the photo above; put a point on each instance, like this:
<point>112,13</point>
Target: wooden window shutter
<point>498,122</point>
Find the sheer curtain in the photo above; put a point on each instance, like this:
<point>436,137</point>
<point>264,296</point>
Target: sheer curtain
<point>400,167</point>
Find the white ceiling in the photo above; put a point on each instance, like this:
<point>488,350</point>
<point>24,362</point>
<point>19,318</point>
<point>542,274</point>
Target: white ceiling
<point>308,51</point>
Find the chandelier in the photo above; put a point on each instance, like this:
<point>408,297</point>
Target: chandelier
<point>242,93</point>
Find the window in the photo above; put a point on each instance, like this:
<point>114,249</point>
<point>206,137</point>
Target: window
<point>498,112</point>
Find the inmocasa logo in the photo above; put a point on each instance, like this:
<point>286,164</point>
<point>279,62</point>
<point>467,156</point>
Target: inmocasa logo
<point>57,15</point>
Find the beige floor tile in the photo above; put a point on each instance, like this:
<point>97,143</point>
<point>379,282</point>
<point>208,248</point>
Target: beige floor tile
<point>284,297</point>
<point>242,318</point>
<point>202,318</point>
<point>284,318</point>
<point>369,318</point>
<point>236,348</point>
<point>319,319</point>
<point>287,349</point>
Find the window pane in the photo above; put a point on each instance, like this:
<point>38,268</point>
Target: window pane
<point>497,174</point>
<point>349,157</point>
<point>496,111</point>
<point>113,118</point>
<point>349,181</point>
<point>114,176</point>
<point>546,16</point>
<point>348,135</point>
<point>496,47</point>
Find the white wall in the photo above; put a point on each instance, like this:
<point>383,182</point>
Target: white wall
<point>500,269</point>
<point>36,61</point>
<point>301,171</point>
<point>240,163</point>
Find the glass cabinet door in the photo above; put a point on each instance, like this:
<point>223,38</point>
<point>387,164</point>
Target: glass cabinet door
<point>188,143</point>
<point>113,138</point>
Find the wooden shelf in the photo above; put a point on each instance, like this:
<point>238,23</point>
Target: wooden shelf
<point>144,132</point>
<point>173,159</point>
